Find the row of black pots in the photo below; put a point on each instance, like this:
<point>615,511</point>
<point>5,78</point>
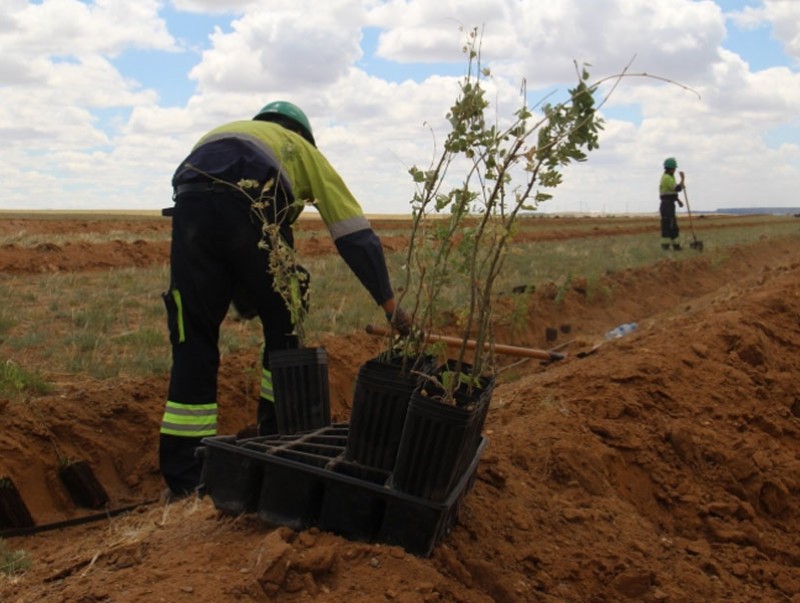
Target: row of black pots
<point>77,476</point>
<point>381,397</point>
<point>398,422</point>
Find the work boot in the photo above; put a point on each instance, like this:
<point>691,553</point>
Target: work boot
<point>676,247</point>
<point>665,247</point>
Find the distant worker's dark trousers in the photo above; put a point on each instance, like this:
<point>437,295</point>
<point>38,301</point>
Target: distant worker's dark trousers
<point>669,222</point>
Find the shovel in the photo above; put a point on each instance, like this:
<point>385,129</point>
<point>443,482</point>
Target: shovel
<point>695,244</point>
<point>470,344</point>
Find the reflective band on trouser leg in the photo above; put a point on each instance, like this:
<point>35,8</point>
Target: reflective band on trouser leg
<point>266,385</point>
<point>176,295</point>
<point>189,420</point>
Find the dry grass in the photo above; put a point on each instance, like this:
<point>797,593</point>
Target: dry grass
<point>108,324</point>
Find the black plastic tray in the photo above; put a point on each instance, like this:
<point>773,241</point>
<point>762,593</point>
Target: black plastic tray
<point>304,480</point>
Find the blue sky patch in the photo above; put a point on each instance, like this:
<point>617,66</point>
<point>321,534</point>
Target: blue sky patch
<point>758,46</point>
<point>166,72</point>
<point>111,121</point>
<point>400,72</point>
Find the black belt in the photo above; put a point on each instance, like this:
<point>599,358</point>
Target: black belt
<point>203,187</point>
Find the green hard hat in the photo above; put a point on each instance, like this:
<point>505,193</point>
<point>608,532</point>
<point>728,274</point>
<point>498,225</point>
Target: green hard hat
<point>281,111</point>
<point>670,163</point>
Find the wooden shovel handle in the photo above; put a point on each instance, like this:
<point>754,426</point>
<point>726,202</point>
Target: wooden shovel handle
<point>470,344</point>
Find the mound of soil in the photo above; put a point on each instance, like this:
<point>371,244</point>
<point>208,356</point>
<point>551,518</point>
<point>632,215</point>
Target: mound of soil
<point>662,467</point>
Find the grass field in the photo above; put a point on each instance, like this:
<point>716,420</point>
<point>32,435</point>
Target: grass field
<point>110,323</point>
<point>659,467</point>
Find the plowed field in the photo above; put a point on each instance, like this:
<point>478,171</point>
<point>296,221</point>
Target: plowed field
<point>664,467</point>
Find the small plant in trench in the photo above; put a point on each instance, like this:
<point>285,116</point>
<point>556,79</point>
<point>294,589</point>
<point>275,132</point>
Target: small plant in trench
<point>563,289</point>
<point>12,562</point>
<point>15,380</point>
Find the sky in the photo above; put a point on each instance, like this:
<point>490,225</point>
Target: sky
<point>101,100</point>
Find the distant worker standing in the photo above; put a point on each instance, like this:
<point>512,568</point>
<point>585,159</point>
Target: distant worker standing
<point>668,191</point>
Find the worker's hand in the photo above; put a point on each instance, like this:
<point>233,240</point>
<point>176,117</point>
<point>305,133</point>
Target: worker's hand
<point>401,321</point>
<point>680,203</point>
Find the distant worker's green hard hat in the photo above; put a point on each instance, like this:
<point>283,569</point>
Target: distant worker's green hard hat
<point>283,111</point>
<point>670,163</point>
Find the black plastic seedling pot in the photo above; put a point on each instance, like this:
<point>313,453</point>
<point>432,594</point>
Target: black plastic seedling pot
<point>304,480</point>
<point>300,386</point>
<point>234,479</point>
<point>439,441</point>
<point>363,510</point>
<point>381,395</point>
<point>239,480</point>
<point>13,512</point>
<point>82,485</point>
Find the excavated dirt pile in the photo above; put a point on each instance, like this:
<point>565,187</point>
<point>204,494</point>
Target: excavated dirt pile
<point>663,467</point>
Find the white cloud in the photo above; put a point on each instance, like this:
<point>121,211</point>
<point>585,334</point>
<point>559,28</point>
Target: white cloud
<point>417,31</point>
<point>56,69</point>
<point>70,27</point>
<point>60,88</point>
<point>302,45</point>
<point>539,41</point>
<point>782,15</point>
<point>212,6</point>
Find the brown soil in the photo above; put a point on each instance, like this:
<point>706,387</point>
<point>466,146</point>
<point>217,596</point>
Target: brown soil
<point>663,467</point>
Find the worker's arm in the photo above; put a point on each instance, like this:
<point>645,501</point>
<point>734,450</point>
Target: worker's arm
<point>680,185</point>
<point>314,178</point>
<point>363,253</point>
